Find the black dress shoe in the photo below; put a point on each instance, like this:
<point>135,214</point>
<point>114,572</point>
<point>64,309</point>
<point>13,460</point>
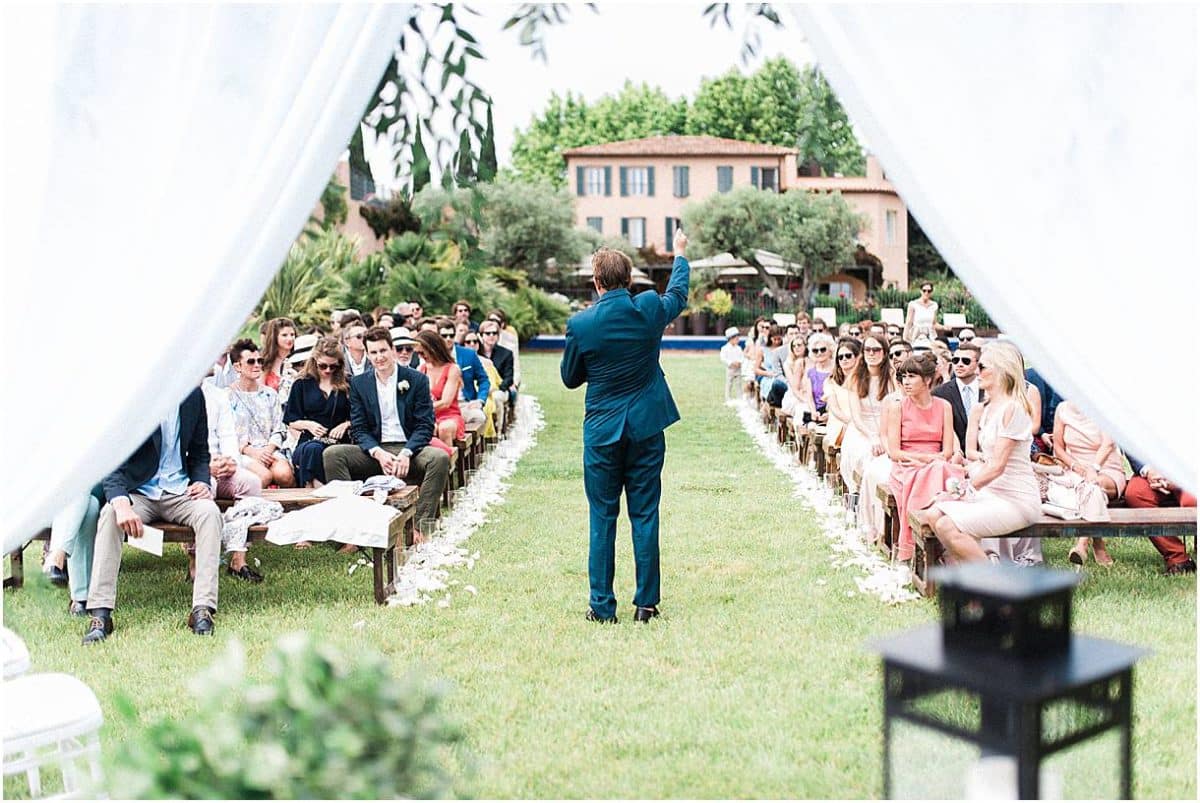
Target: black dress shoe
<point>200,620</point>
<point>99,628</point>
<point>77,608</point>
<point>645,614</point>
<point>1184,567</point>
<point>58,577</point>
<point>592,617</point>
<point>246,573</point>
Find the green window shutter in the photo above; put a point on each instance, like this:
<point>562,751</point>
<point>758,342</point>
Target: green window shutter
<point>685,174</point>
<point>608,180</point>
<point>579,181</point>
<point>669,241</point>
<point>650,181</point>
<point>724,178</point>
<point>754,178</point>
<point>625,226</point>
<point>624,181</point>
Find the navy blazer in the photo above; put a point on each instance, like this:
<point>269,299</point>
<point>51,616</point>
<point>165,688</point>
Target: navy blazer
<point>614,346</point>
<point>476,385</point>
<point>949,392</point>
<point>502,358</point>
<point>414,407</point>
<point>142,465</point>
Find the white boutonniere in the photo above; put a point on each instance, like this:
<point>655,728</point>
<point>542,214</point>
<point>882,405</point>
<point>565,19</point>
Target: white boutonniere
<point>402,387</point>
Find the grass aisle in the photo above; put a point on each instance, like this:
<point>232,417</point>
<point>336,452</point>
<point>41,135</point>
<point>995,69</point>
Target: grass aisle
<point>754,683</point>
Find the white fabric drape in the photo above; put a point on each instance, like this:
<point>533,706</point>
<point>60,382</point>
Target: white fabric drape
<point>1050,154</point>
<point>159,162</point>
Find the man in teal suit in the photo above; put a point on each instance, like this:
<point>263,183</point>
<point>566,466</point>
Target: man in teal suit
<point>614,346</point>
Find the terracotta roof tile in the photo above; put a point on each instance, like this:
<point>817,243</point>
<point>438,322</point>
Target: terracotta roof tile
<point>844,184</point>
<point>680,146</point>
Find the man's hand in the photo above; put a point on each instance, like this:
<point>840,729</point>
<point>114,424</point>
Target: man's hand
<point>681,242</point>
<point>221,467</point>
<point>386,460</point>
<point>199,490</point>
<point>127,518</point>
<point>1159,483</point>
<point>400,466</point>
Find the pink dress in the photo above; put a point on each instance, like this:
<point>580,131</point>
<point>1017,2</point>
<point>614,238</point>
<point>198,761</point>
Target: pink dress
<point>915,486</point>
<point>1082,438</point>
<point>451,413</point>
<point>1012,500</point>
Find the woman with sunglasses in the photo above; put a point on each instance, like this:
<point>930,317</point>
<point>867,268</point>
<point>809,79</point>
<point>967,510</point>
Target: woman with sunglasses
<point>1005,494</point>
<point>872,383</point>
<point>847,354</point>
<point>820,366</point>
<point>794,367</point>
<point>354,345</point>
<point>319,408</point>
<point>279,338</point>
<point>920,443</point>
<point>258,419</point>
<point>445,381</point>
<point>921,318</point>
<point>769,363</point>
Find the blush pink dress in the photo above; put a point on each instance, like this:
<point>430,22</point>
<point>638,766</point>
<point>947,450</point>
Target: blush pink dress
<point>915,486</point>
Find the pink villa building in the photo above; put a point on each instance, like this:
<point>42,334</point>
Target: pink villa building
<point>638,188</point>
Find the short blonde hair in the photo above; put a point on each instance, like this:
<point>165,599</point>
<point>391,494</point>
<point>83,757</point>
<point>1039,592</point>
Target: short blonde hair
<point>612,269</point>
<point>1005,360</point>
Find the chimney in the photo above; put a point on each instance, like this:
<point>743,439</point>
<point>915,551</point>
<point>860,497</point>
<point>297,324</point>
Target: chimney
<point>874,169</point>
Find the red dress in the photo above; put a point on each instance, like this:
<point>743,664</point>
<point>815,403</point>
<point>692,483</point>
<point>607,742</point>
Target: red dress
<point>915,486</point>
<point>451,413</point>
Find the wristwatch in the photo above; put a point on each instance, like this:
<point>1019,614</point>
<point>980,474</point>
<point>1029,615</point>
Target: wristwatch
<point>406,452</point>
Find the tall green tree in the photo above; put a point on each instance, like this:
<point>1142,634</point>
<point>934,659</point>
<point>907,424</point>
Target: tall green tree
<point>638,110</point>
<point>825,131</point>
<point>464,163</point>
<point>420,164</point>
<point>487,150</point>
<point>814,231</point>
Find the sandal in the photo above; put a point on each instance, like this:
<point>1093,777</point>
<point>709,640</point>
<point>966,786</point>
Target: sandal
<point>1102,557</point>
<point>302,545</point>
<point>246,573</point>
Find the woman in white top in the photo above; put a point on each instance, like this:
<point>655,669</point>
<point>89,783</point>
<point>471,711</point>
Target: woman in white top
<point>999,435</point>
<point>922,315</point>
<point>872,383</point>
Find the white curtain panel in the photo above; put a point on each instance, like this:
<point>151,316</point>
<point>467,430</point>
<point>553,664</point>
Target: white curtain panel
<point>159,161</point>
<point>1050,154</point>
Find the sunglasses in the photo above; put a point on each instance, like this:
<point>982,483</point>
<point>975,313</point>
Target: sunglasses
<point>847,356</point>
<point>820,350</point>
<point>898,353</point>
<point>967,339</point>
<point>326,366</point>
<point>893,332</point>
<point>253,361</point>
<point>489,334</point>
<point>471,341</point>
<point>447,335</point>
<point>982,367</point>
<point>961,360</point>
<point>926,289</point>
<point>872,349</point>
<point>855,332</point>
<point>404,349</point>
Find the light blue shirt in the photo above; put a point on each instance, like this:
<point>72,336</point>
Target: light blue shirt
<point>170,478</point>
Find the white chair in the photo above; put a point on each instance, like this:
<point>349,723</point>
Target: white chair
<point>15,653</point>
<point>954,320</point>
<point>52,721</point>
<point>827,314</point>
<point>893,316</point>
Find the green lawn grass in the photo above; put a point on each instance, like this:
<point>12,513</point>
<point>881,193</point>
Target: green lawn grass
<point>754,683</point>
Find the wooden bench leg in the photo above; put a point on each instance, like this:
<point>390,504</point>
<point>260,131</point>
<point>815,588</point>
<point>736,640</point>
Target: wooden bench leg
<point>377,559</point>
<point>927,550</point>
<point>17,577</point>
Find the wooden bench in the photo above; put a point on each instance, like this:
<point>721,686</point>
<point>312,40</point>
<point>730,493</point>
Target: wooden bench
<point>891,521</point>
<point>833,463</point>
<point>384,560</point>
<point>1126,523</point>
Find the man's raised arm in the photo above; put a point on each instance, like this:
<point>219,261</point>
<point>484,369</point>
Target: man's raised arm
<point>675,299</point>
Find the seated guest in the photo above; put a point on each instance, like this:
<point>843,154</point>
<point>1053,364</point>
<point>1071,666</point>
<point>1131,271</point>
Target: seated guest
<point>418,311</point>
<point>1148,488</point>
<point>769,367</point>
<point>445,379</point>
<point>279,338</point>
<point>402,315</point>
<point>963,390</point>
<point>872,382</point>
<point>837,389</point>
<point>229,479</point>
<point>391,423</point>
<point>920,441</point>
<point>403,343</point>
<point>166,479</point>
<point>1092,454</point>
<point>476,387</point>
<point>820,366</point>
<point>819,326</point>
<point>497,404</point>
<point>794,366</point>
<point>462,314</point>
<point>355,348</point>
<point>319,408</point>
<point>804,325</point>
<point>966,335</point>
<point>258,419</point>
<point>385,319</point>
<point>942,351</point>
<point>461,330</point>
<point>73,544</point>
<point>502,358</point>
<point>1006,495</point>
<point>898,350</point>
<point>510,341</point>
<point>893,333</point>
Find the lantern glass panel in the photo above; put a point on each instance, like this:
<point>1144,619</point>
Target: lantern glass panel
<point>928,764</point>
<point>1089,770</point>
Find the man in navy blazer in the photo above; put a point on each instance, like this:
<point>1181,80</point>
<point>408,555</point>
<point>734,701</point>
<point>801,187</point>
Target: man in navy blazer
<point>614,346</point>
<point>166,479</point>
<point>391,424</point>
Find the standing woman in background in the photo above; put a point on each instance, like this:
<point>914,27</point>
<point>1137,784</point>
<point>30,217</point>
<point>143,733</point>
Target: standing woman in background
<point>921,318</point>
<point>279,338</point>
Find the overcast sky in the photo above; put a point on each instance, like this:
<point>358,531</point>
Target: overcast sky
<point>669,45</point>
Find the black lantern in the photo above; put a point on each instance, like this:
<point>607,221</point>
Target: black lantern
<point>999,686</point>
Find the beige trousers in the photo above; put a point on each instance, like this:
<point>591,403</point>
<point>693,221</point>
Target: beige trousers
<point>202,515</point>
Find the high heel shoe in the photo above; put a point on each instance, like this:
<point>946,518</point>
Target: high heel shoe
<point>1102,557</point>
<point>1078,555</point>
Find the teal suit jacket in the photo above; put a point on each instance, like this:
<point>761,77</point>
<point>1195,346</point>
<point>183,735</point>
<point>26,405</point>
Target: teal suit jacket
<point>614,347</point>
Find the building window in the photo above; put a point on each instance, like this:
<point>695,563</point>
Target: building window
<point>596,224</point>
<point>681,181</point>
<point>593,180</point>
<point>637,180</point>
<point>724,178</point>
<point>836,289</point>
<point>889,227</point>
<point>634,230</point>
<point>765,178</point>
